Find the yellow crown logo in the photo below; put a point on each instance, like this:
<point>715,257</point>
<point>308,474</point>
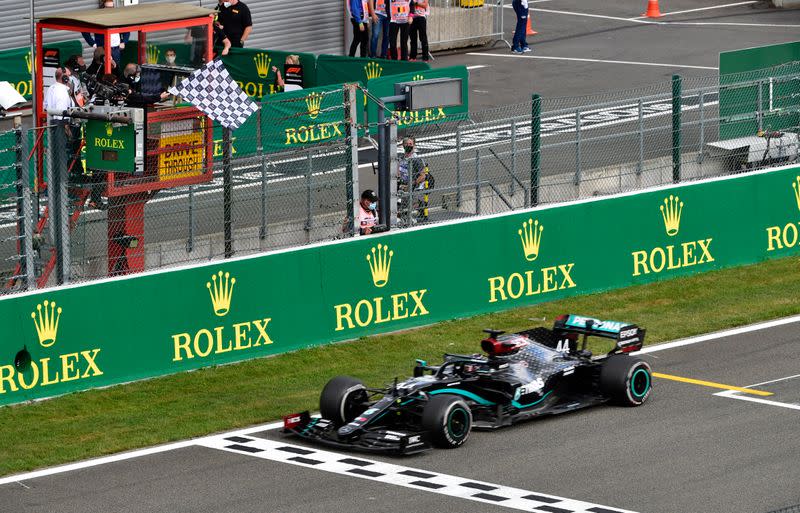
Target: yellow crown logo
<point>262,61</point>
<point>417,78</point>
<point>531,237</point>
<point>379,263</point>
<point>671,212</point>
<point>373,70</point>
<point>796,187</point>
<point>46,322</point>
<point>109,129</point>
<point>152,54</point>
<point>313,102</point>
<point>28,61</point>
<point>221,292</point>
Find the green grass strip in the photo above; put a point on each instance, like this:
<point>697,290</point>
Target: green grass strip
<point>99,422</point>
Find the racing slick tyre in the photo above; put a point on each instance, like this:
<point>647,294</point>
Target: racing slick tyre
<point>448,420</point>
<point>626,380</point>
<point>342,399</point>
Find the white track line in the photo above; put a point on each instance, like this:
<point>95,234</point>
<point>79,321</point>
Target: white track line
<point>733,394</point>
<point>720,334</point>
<point>477,66</point>
<point>603,61</point>
<point>132,454</point>
<point>700,9</point>
<point>650,22</point>
<point>399,475</point>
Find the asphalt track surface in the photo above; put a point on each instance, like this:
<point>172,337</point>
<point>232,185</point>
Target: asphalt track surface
<point>691,448</point>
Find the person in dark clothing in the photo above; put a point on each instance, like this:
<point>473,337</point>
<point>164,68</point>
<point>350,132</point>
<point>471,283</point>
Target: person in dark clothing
<point>359,18</point>
<point>97,67</point>
<point>419,28</point>
<point>135,97</point>
<point>236,22</point>
<point>399,12</point>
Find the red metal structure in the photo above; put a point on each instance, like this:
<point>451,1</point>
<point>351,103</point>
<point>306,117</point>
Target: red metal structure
<point>128,194</point>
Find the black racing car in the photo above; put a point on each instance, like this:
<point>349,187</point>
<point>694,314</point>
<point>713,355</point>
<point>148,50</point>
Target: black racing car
<point>535,372</point>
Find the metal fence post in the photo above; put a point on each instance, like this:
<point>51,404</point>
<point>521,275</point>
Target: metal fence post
<point>227,193</point>
<point>309,199</point>
<point>57,199</point>
<point>190,241</point>
<point>262,231</point>
<point>392,185</point>
<point>478,182</point>
<point>458,165</point>
<point>351,173</point>
<point>701,106</point>
<point>536,141</point>
<point>676,128</point>
<point>577,147</point>
<point>759,109</point>
<point>641,139</point>
<point>513,155</point>
<point>24,214</point>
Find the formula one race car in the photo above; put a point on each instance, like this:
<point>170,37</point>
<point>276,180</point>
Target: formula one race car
<point>535,372</point>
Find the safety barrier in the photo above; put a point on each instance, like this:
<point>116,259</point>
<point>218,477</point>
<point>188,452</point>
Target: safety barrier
<point>80,337</point>
<point>460,23</point>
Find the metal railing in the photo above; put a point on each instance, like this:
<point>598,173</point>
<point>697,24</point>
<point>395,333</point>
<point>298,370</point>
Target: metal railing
<point>493,162</point>
<point>460,23</point>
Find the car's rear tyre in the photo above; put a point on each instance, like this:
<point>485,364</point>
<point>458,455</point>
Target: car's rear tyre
<point>626,380</point>
<point>448,420</point>
<point>342,399</point>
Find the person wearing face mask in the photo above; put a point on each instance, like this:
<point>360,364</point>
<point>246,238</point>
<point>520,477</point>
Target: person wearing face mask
<point>367,212</point>
<point>117,42</point>
<point>135,97</point>
<point>236,22</point>
<point>413,174</point>
<point>170,56</point>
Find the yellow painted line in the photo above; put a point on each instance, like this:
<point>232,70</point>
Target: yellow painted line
<point>711,384</point>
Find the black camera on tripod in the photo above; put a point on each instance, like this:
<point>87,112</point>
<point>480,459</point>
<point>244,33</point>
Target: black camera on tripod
<point>103,92</point>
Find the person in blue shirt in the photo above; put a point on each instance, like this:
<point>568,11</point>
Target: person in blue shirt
<point>359,17</point>
<point>118,41</point>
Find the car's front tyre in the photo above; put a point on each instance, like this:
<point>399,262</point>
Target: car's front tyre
<point>448,420</point>
<point>342,399</point>
<point>626,380</point>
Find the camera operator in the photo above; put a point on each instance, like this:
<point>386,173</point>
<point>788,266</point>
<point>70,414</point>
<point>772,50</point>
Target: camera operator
<point>135,98</point>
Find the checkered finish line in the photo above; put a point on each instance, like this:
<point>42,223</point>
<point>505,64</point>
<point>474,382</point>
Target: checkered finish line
<point>388,473</point>
<point>212,90</point>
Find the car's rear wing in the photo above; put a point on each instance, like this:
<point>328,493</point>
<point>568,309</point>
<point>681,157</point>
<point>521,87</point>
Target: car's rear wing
<point>628,337</point>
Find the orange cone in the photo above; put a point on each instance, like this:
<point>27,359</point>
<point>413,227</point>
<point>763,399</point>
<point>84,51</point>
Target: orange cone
<point>529,31</point>
<point>652,9</point>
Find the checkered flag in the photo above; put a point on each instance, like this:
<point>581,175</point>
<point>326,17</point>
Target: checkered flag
<point>212,90</point>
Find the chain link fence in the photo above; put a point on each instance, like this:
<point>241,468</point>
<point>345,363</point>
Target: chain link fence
<point>293,180</point>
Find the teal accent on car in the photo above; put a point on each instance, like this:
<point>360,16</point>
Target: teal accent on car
<point>469,395</point>
<point>647,383</point>
<point>515,404</point>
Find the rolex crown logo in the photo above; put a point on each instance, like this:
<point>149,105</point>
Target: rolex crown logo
<point>373,70</point>
<point>262,61</point>
<point>45,318</point>
<point>152,54</point>
<point>671,212</point>
<point>531,237</point>
<point>417,78</point>
<point>796,187</point>
<point>28,61</point>
<point>379,263</point>
<point>109,129</point>
<point>221,292</point>
<point>313,102</point>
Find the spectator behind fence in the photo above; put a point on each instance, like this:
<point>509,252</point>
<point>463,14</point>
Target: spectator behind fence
<point>419,28</point>
<point>294,75</point>
<point>236,22</point>
<point>359,18</point>
<point>367,213</point>
<point>196,36</point>
<point>380,29</point>
<point>97,68</point>
<point>399,12</point>
<point>117,40</point>
<point>519,44</point>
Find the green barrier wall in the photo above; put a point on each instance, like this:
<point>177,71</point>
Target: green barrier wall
<point>384,86</point>
<point>336,69</point>
<point>161,323</point>
<point>779,99</point>
<point>252,68</point>
<point>303,118</point>
<point>15,65</point>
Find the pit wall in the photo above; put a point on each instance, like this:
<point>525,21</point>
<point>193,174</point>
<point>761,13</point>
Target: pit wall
<point>159,323</point>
